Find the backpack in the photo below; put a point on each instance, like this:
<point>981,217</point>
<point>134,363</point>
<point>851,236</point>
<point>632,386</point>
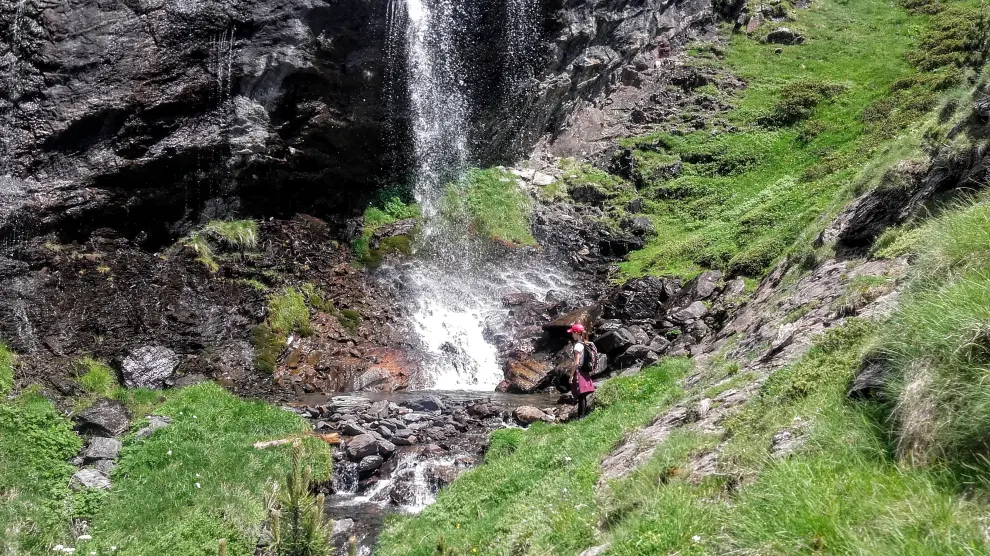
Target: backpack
<point>590,361</point>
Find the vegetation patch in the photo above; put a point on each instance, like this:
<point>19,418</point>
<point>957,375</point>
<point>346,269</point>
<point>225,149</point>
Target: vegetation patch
<point>492,204</point>
<point>6,370</point>
<point>238,235</point>
<point>390,205</point>
<point>36,443</point>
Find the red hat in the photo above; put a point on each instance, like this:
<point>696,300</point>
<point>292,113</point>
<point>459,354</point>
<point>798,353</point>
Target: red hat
<point>576,327</point>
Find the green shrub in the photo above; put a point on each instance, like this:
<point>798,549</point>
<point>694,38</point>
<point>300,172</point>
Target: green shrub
<point>957,36</point>
<point>798,100</point>
<point>755,258</point>
<point>267,347</point>
<point>6,370</point>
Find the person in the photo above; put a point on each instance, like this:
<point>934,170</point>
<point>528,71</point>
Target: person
<point>584,361</point>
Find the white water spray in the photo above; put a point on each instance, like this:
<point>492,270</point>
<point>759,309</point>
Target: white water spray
<point>456,289</point>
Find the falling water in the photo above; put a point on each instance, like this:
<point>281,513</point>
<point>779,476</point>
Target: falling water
<point>455,285</point>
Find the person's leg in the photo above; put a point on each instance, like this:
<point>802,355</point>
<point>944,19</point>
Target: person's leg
<point>582,405</point>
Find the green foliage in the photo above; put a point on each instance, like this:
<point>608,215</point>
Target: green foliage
<point>492,204</point>
<point>535,492</point>
<point>298,526</point>
<point>288,313</point>
<point>896,242</point>
<point>210,443</point>
<point>391,204</point>
<point>317,298</point>
<point>7,360</point>
<point>957,36</point>
<point>199,243</point>
<point>36,442</point>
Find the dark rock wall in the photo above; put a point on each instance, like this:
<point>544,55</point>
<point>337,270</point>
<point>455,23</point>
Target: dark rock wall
<point>143,115</point>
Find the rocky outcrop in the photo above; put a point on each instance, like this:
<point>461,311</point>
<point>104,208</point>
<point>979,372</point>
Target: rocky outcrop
<point>142,116</point>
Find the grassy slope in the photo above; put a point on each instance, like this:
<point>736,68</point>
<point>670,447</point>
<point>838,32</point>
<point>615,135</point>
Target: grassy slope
<point>154,506</point>
<point>749,193</point>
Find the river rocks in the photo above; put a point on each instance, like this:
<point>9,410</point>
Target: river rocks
<point>361,447</point>
<point>426,403</point>
<point>615,341</point>
<point>370,464</point>
<point>526,415</point>
<point>104,418</point>
<point>91,479</point>
<point>149,367</point>
<point>101,448</point>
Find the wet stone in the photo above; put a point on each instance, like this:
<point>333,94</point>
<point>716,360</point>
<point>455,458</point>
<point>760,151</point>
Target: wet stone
<point>361,447</point>
<point>370,464</point>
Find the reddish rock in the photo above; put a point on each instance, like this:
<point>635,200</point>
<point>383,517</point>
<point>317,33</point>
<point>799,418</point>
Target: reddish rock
<point>526,414</point>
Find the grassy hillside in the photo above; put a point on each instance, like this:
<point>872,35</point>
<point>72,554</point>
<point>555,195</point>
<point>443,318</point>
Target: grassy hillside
<point>811,117</point>
<point>818,125</point>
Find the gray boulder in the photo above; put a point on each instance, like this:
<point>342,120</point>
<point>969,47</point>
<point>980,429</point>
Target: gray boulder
<point>361,447</point>
<point>369,464</point>
<point>104,418</point>
<point>100,447</point>
<point>783,35</point>
<point>149,367</point>
<point>526,414</point>
<point>690,313</point>
<point>90,478</point>
<point>616,340</point>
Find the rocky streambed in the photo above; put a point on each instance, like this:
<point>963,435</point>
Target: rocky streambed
<point>397,450</point>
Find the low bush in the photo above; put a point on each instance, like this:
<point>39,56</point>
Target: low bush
<point>798,100</point>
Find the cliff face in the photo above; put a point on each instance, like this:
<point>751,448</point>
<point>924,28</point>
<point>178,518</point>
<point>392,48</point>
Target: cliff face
<point>147,116</point>
<point>143,115</point>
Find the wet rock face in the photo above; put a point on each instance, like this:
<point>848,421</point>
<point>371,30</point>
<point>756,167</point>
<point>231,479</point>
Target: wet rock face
<point>142,115</point>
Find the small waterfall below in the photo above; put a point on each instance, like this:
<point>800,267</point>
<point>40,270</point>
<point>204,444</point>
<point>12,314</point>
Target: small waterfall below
<point>455,284</point>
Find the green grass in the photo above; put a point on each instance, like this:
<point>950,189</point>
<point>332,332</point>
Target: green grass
<point>288,313</point>
<point>6,370</point>
<point>155,507</point>
<point>391,204</point>
<point>810,120</point>
<point>939,341</point>
<point>535,492</point>
<point>36,442</point>
<point>241,235</point>
<point>492,204</point>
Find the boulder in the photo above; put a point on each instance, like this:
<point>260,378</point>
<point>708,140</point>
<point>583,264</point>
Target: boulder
<point>734,288</point>
<point>690,313</point>
<point>378,410</point>
<point>483,410</point>
<point>352,429</point>
<point>640,335</point>
<point>632,355</point>
<point>155,422</point>
<point>640,298</point>
<point>785,442</point>
<point>615,341</point>
<point>370,464</point>
<point>526,375</point>
<point>398,228</point>
<point>361,447</point>
<point>585,315</point>
<point>149,367</point>
<point>90,478</point>
<point>425,403</point>
<point>659,344</point>
<point>105,466</point>
<point>386,448</point>
<point>527,414</point>
<point>347,404</point>
<point>704,285</point>
<point>871,382</point>
<point>783,35</point>
<point>104,418</point>
<point>639,225</point>
<point>100,447</point>
<point>516,299</point>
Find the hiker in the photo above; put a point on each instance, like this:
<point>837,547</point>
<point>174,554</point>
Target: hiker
<point>585,359</point>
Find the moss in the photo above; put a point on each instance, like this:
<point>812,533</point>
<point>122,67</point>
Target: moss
<point>267,347</point>
<point>288,313</point>
<point>6,369</point>
<point>492,205</point>
<point>350,319</point>
<point>401,244</point>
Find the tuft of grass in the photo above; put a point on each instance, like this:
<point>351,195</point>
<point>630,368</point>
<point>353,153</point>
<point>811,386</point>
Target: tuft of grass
<point>7,360</point>
<point>236,234</point>
<point>350,319</point>
<point>36,443</point>
<point>288,313</point>
<point>492,204</point>
<point>199,243</point>
<point>390,204</point>
<point>97,378</point>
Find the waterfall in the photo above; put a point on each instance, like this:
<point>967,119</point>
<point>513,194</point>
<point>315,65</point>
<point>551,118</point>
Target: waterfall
<point>454,285</point>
